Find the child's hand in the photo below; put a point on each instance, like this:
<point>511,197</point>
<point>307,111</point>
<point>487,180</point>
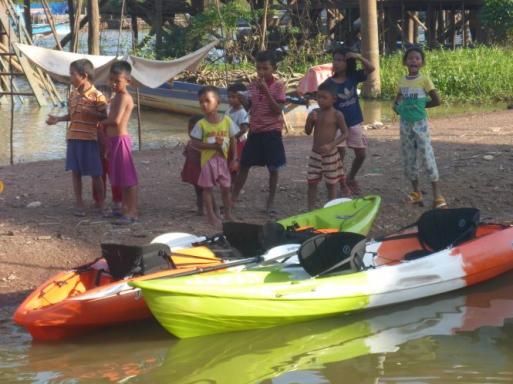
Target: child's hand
<point>219,140</point>
<point>352,55</point>
<point>313,117</point>
<point>234,165</point>
<point>52,120</point>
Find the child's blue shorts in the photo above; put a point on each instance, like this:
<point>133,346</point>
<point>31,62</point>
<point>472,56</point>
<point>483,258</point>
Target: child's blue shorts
<point>83,156</point>
<point>264,149</point>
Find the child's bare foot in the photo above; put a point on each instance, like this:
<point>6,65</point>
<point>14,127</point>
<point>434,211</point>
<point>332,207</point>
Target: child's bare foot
<point>216,223</point>
<point>354,187</point>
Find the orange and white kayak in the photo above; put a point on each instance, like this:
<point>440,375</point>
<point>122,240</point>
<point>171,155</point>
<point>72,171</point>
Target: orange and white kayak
<point>77,301</point>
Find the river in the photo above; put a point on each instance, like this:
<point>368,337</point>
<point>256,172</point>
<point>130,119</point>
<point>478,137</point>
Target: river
<point>464,337</point>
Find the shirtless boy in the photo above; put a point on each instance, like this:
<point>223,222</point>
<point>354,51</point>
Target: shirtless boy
<point>122,171</point>
<point>324,161</point>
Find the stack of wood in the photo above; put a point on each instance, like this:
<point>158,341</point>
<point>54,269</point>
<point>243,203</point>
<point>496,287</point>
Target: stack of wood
<point>221,78</point>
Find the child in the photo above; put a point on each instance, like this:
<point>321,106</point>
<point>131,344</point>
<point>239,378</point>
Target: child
<point>346,78</point>
<point>325,122</point>
<point>239,116</point>
<point>411,103</point>
<point>86,106</point>
<point>192,165</point>
<point>264,146</point>
<point>122,171</point>
<point>214,137</point>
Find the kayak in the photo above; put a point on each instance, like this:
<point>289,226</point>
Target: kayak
<point>86,298</point>
<point>397,269</point>
<point>275,354</point>
<point>74,302</point>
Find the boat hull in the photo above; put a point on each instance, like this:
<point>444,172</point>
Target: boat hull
<point>182,98</point>
<point>233,301</point>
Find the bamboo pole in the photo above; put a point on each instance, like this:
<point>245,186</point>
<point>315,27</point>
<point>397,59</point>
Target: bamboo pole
<point>370,46</point>
<point>263,40</point>
<point>76,28</point>
<point>49,18</point>
<point>139,134</point>
<point>121,17</point>
<point>93,32</point>
<point>411,29</point>
<point>11,130</point>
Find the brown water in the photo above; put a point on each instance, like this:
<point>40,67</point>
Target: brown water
<point>34,140</point>
<point>463,337</point>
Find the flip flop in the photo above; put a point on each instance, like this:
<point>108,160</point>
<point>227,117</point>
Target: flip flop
<point>124,220</point>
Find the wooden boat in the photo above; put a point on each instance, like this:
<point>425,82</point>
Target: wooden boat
<point>182,97</point>
<point>45,29</point>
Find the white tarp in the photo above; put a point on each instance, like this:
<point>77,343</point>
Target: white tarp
<point>149,73</point>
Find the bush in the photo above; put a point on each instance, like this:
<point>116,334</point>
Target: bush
<point>497,17</point>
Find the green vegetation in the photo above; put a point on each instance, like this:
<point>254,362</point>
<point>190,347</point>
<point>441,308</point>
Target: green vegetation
<point>464,75</point>
<point>497,16</point>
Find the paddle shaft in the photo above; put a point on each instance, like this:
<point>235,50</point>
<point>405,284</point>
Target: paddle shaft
<point>214,267</point>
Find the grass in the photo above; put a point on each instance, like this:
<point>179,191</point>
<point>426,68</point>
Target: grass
<point>481,74</point>
<point>470,75</point>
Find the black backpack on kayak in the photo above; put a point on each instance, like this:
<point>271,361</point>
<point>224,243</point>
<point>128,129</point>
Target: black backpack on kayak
<point>134,260</point>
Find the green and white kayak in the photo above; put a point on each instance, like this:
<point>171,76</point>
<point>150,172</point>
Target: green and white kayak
<point>356,215</point>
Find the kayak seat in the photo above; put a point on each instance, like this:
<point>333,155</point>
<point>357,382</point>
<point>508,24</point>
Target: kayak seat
<point>332,252</point>
<point>441,228</point>
<point>134,260</point>
<point>244,237</point>
<point>274,234</point>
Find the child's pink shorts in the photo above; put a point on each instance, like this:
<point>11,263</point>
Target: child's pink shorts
<point>215,172</point>
<point>355,137</point>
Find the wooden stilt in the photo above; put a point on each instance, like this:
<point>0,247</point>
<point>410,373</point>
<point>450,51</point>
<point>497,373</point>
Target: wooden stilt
<point>49,18</point>
<point>11,130</point>
<point>93,32</point>
<point>139,134</point>
<point>411,29</point>
<point>403,25</point>
<point>71,16</point>
<point>370,47</point>
<point>27,16</point>
<point>453,28</point>
<point>135,31</point>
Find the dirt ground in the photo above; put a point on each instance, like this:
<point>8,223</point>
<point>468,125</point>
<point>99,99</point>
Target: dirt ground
<point>474,153</point>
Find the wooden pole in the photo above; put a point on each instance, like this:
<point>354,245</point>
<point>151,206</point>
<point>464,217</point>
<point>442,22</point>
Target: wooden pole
<point>411,29</point>
<point>11,130</point>
<point>403,37</point>
<point>76,29</point>
<point>157,24</point>
<point>453,28</point>
<point>463,24</point>
<point>71,16</point>
<point>93,32</point>
<point>135,31</point>
<point>49,18</point>
<point>139,135</point>
<point>81,23</point>
<point>121,18</point>
<point>27,17</point>
<point>370,46</point>
<point>263,40</point>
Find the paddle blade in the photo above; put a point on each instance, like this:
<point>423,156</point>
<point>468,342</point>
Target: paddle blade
<point>280,252</point>
<point>177,240</point>
<point>330,252</point>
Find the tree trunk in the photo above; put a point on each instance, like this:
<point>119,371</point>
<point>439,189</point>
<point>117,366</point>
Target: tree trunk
<point>93,36</point>
<point>370,46</point>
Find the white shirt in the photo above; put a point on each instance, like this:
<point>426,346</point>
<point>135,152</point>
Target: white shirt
<point>239,117</point>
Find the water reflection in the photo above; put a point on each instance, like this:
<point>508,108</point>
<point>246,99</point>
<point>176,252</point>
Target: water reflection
<point>462,335</point>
